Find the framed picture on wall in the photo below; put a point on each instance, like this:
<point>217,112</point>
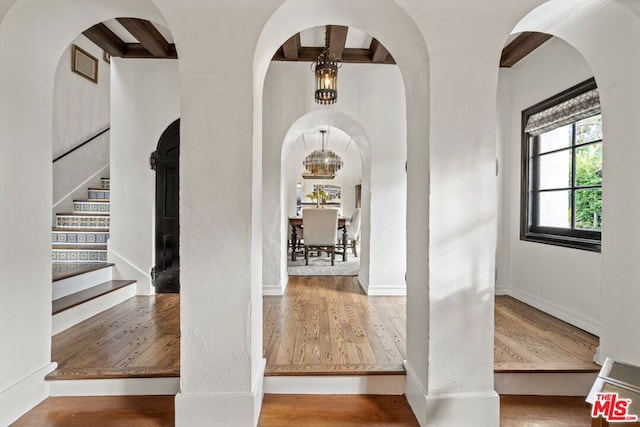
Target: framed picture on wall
<point>84,64</point>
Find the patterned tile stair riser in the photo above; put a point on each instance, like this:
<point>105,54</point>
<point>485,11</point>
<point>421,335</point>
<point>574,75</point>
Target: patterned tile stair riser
<point>79,238</point>
<point>82,235</point>
<point>100,194</point>
<point>66,255</point>
<point>91,207</point>
<point>76,221</point>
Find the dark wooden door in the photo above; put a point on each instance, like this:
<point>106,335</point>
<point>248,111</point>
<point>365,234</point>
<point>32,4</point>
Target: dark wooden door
<point>166,277</point>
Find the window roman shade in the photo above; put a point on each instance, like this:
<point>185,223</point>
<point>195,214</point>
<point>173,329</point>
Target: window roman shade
<point>580,107</point>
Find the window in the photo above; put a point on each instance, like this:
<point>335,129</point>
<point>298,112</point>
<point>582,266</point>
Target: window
<point>562,169</point>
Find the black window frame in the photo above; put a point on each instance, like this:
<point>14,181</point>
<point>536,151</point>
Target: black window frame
<point>589,240</point>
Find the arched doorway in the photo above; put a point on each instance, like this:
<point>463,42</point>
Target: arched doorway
<point>166,162</point>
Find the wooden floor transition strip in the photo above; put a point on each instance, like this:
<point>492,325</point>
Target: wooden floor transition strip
<point>328,370</point>
<point>106,373</point>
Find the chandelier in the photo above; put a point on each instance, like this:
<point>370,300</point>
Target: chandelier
<point>322,164</point>
<point>326,71</point>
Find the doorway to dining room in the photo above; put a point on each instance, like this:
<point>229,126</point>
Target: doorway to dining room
<point>307,192</point>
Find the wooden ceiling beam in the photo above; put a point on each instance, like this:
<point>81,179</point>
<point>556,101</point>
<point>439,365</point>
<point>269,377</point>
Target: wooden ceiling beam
<point>148,36</point>
<point>138,51</point>
<point>349,55</point>
<point>522,46</point>
<point>336,38</point>
<point>106,39</point>
<point>379,53</point>
<point>291,47</point>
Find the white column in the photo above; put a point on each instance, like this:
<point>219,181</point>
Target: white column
<point>462,240</point>
<point>222,368</point>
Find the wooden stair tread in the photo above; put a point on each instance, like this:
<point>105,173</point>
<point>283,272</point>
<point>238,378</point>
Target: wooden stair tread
<point>98,189</point>
<point>73,300</point>
<point>80,230</point>
<point>64,270</point>
<point>83,214</point>
<point>91,201</point>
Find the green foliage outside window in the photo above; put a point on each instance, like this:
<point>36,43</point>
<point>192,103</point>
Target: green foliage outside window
<point>588,202</point>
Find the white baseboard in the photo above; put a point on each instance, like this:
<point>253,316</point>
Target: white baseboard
<point>545,384</point>
<point>116,387</point>
<point>502,290</point>
<point>568,315</point>
<point>221,409</point>
<point>386,291</point>
<point>343,384</point>
<point>126,270</point>
<point>416,395</point>
<point>82,312</point>
<point>24,395</point>
<point>463,409</point>
<point>364,284</point>
<point>599,358</point>
<point>81,282</point>
<point>451,410</point>
<point>382,291</point>
<point>271,291</point>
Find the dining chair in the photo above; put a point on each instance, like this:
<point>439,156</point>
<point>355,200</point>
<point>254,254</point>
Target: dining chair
<point>297,245</point>
<point>320,231</point>
<point>353,232</point>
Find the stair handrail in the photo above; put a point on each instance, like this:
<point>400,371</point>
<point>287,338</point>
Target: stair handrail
<point>82,144</point>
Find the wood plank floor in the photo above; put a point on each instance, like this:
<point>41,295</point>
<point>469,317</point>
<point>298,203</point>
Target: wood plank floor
<point>138,338</point>
<point>295,410</point>
<point>327,325</point>
<point>321,326</point>
<point>526,339</point>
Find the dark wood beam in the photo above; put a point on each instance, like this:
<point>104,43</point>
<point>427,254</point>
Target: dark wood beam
<point>378,52</point>
<point>336,36</point>
<point>522,46</point>
<point>148,36</point>
<point>349,56</point>
<point>105,39</point>
<point>138,51</point>
<point>291,47</point>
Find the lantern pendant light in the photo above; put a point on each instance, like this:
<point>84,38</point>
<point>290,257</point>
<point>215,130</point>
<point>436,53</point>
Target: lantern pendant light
<point>326,72</point>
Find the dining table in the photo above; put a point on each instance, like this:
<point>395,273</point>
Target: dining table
<point>295,222</point>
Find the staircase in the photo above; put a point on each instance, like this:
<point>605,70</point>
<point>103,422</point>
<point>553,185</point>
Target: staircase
<point>82,280</point>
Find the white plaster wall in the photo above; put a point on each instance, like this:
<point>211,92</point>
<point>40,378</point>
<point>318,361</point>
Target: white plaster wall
<point>81,109</point>
<point>33,36</point>
<point>145,101</point>
<point>562,281</point>
<point>373,95</point>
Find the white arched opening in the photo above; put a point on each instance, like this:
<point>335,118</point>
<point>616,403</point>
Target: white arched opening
<point>275,253</point>
<point>602,32</point>
<point>405,42</point>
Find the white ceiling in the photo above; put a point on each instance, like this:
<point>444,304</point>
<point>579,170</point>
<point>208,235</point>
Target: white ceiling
<point>126,36</point>
<point>315,37</point>
<point>335,139</point>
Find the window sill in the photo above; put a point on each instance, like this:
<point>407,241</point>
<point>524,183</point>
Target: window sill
<point>564,241</point>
